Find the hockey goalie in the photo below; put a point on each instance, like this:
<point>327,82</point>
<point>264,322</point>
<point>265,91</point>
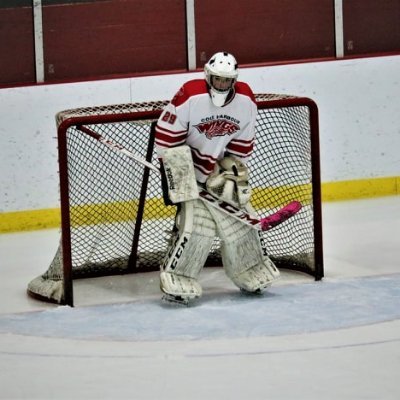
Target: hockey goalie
<point>204,138</point>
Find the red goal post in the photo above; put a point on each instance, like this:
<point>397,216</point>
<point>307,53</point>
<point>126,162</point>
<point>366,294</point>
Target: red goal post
<point>113,220</point>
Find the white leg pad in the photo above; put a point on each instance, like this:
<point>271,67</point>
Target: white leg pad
<point>254,279</point>
<point>188,252</point>
<point>179,286</point>
<point>244,255</point>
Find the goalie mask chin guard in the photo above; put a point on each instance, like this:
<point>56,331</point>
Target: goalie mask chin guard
<point>221,73</point>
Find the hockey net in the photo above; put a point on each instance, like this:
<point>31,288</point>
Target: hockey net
<point>114,220</point>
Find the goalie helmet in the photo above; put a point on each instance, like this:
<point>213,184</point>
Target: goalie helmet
<point>221,74</point>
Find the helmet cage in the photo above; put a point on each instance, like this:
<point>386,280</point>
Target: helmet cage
<point>221,73</point>
<point>221,84</point>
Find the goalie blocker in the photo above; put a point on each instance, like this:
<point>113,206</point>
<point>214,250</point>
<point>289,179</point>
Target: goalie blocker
<point>244,256</point>
<point>178,178</point>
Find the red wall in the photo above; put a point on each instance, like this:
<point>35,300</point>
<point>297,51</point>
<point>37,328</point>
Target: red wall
<point>85,39</point>
<point>260,31</point>
<point>17,52</point>
<point>114,37</point>
<point>371,26</point>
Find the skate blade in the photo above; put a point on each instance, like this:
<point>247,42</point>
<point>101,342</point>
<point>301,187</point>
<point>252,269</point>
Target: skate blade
<point>167,298</point>
<point>258,292</point>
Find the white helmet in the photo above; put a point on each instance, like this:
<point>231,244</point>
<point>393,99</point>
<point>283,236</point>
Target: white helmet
<point>221,74</point>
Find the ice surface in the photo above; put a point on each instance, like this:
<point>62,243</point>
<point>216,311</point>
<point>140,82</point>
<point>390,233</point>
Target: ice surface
<point>335,339</point>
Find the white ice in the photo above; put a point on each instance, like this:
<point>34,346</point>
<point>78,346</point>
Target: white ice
<point>335,339</point>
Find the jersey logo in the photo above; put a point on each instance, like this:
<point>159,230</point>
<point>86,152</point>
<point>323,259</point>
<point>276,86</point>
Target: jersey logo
<point>217,127</point>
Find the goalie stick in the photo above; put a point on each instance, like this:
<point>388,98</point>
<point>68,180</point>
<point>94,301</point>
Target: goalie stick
<point>262,224</point>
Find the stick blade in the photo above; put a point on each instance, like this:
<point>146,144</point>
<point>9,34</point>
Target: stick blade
<point>280,216</point>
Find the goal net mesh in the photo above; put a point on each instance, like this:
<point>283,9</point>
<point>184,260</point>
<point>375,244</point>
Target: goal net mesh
<point>114,218</point>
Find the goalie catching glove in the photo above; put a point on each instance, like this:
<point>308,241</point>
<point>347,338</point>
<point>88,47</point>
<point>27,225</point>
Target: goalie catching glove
<point>230,181</point>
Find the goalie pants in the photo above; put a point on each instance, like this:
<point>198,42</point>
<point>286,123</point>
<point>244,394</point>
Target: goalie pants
<point>243,252</point>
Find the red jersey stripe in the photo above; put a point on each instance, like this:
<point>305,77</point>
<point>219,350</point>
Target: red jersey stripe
<point>204,163</point>
<point>168,138</point>
<point>242,150</point>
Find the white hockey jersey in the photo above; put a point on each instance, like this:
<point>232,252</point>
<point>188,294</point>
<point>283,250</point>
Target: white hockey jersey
<point>191,118</point>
